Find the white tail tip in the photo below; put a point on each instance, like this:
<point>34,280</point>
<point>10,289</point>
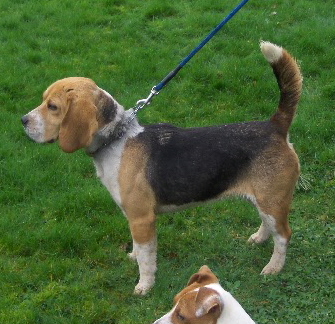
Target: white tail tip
<point>271,51</point>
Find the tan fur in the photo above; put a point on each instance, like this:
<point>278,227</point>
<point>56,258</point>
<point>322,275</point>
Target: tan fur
<point>74,129</point>
<point>203,277</point>
<point>138,199</point>
<point>290,87</point>
<point>272,184</point>
<point>206,300</point>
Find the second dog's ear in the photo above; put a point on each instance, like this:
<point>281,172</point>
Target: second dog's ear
<point>208,301</point>
<point>204,276</point>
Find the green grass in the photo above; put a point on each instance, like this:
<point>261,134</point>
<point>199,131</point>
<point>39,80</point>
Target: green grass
<point>63,241</point>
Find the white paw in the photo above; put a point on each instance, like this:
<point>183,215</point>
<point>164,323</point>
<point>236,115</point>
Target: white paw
<point>270,269</point>
<point>142,289</point>
<point>256,238</point>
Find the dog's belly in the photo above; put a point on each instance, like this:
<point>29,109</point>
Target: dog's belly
<point>175,208</point>
<point>239,192</point>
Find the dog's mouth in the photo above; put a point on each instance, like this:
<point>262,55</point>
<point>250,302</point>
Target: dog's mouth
<point>41,142</point>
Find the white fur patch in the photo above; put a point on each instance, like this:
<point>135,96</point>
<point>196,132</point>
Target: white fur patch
<point>271,51</point>
<point>278,257</point>
<point>146,255</point>
<point>36,126</point>
<point>267,228</point>
<point>107,164</point>
<point>167,318</point>
<point>233,312</point>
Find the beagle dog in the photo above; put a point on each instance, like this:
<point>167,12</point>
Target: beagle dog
<point>204,301</point>
<point>161,168</point>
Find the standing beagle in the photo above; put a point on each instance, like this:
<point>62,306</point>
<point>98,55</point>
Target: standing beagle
<point>161,168</point>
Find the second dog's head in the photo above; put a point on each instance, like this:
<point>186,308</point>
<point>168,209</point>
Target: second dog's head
<point>72,111</point>
<point>204,301</point>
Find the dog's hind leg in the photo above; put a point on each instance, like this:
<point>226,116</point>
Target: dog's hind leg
<point>272,184</point>
<point>264,230</point>
<point>281,233</point>
<point>274,210</point>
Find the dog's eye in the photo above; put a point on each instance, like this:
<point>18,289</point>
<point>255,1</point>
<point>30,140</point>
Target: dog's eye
<point>181,317</point>
<point>52,107</point>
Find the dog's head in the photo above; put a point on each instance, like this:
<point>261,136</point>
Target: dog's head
<point>72,111</point>
<point>197,303</point>
<point>204,301</point>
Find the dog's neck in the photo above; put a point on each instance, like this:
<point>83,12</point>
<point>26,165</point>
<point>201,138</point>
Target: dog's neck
<point>113,131</point>
<point>232,312</point>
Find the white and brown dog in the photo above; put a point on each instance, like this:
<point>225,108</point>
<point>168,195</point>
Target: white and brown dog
<point>204,301</point>
<point>160,168</point>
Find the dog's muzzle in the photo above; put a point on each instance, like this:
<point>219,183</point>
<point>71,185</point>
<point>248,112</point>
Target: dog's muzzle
<point>25,120</point>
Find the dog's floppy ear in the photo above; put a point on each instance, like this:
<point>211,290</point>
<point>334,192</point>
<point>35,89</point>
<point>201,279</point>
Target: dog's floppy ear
<point>204,276</point>
<point>208,301</point>
<point>79,123</point>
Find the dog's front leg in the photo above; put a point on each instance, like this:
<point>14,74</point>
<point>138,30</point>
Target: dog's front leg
<point>138,203</point>
<point>144,250</point>
<point>146,259</point>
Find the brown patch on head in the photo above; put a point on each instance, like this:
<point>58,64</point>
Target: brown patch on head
<point>198,304</point>
<point>202,306</point>
<point>203,277</point>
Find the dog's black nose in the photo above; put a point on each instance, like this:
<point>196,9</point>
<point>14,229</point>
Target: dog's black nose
<point>25,120</point>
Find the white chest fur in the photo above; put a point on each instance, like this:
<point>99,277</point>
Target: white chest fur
<point>107,164</point>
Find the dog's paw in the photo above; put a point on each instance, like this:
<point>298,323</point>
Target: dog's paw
<point>270,270</point>
<point>141,289</point>
<point>256,239</point>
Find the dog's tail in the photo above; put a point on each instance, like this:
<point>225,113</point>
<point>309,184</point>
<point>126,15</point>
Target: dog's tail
<point>289,79</point>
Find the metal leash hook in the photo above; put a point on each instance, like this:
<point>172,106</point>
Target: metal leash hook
<point>140,104</point>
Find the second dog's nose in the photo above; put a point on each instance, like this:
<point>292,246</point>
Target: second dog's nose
<point>25,120</point>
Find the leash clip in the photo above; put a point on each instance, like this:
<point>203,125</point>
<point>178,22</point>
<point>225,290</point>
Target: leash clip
<point>140,104</point>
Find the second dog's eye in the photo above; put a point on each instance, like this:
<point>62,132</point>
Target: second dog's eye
<point>181,317</point>
<point>52,107</point>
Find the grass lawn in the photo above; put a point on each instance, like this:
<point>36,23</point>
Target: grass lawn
<point>63,241</point>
